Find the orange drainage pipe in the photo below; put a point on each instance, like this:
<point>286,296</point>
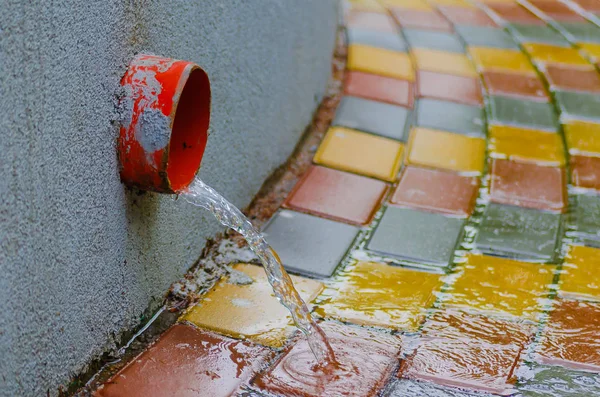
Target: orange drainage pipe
<point>164,124</point>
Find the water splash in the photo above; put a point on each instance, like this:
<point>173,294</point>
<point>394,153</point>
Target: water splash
<point>202,195</point>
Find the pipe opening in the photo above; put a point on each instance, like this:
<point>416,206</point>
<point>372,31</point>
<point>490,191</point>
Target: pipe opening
<point>190,131</point>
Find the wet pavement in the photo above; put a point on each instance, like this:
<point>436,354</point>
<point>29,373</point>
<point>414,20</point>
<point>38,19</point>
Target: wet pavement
<point>447,233</point>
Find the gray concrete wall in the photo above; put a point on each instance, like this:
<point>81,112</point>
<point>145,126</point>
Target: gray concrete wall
<point>82,257</point>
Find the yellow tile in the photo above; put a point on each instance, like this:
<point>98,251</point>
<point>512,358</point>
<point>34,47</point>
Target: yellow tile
<point>366,5</point>
<point>580,277</point>
<point>446,150</point>
<point>420,5</point>
<point>591,50</point>
<point>492,284</point>
<point>527,145</point>
<point>549,54</point>
<point>443,62</point>
<point>361,153</point>
<point>452,3</point>
<point>380,61</point>
<point>582,137</point>
<point>381,295</point>
<point>249,311</point>
<point>502,60</point>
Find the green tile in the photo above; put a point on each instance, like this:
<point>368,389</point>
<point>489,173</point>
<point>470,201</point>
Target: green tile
<point>554,381</point>
<point>537,34</point>
<point>580,32</point>
<point>450,116</point>
<point>519,233</point>
<point>416,236</point>
<point>522,113</point>
<point>586,218</point>
<point>387,40</point>
<point>433,40</point>
<point>483,36</point>
<point>578,105</point>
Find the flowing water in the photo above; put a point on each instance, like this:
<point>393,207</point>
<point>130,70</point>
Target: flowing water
<point>202,195</point>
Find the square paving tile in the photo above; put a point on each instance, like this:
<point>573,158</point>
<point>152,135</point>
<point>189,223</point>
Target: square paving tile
<point>415,388</point>
<point>360,153</point>
<point>483,36</point>
<point>379,88</point>
<point>380,295</point>
<point>446,150</point>
<point>417,19</point>
<point>249,311</point>
<point>337,195</point>
<point>387,40</point>
<point>443,62</point>
<point>578,105</point>
<point>571,336</point>
<point>585,172</point>
<point>376,21</point>
<point>519,233</point>
<point>515,13</point>
<point>522,113</point>
<point>417,236</point>
<point>580,276</point>
<point>490,284</point>
<point>380,61</point>
<point>587,218</point>
<point>436,191</point>
<point>469,352</point>
<point>367,359</point>
<point>545,54</point>
<point>466,16</point>
<point>580,32</point>
<point>572,79</point>
<point>557,11</point>
<point>450,116</point>
<point>588,5</point>
<point>390,121</point>
<point>501,60</point>
<point>465,90</point>
<point>525,145</point>
<point>307,244</point>
<point>582,137</point>
<point>441,41</point>
<point>518,86</point>
<point>409,4</point>
<point>537,34</point>
<point>366,5</point>
<point>552,381</point>
<point>528,185</point>
<point>454,3</point>
<point>186,360</point>
<point>591,50</point>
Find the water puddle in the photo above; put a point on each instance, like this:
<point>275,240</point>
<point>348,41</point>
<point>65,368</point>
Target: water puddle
<point>202,195</point>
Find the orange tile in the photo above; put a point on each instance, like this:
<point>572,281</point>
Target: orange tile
<point>527,145</point>
<point>583,138</point>
<point>443,62</point>
<point>380,61</point>
<point>580,277</point>
<point>453,3</point>
<point>360,153</point>
<point>249,311</point>
<point>548,54</point>
<point>495,59</point>
<point>446,150</point>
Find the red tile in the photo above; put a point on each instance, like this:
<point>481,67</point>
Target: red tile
<point>573,79</point>
<point>379,88</point>
<point>337,195</point>
<point>371,21</point>
<point>467,16</point>
<point>188,362</point>
<point>453,88</point>
<point>515,86</point>
<point>585,172</point>
<point>414,19</point>
<point>468,351</point>
<point>557,11</point>
<point>528,185</point>
<point>592,6</point>
<point>367,359</point>
<point>572,336</point>
<point>436,191</point>
<point>514,13</point>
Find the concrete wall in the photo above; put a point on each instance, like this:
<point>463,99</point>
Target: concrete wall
<point>82,257</point>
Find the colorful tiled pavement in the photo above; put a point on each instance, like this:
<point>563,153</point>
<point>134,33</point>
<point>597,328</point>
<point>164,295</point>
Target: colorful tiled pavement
<point>451,220</point>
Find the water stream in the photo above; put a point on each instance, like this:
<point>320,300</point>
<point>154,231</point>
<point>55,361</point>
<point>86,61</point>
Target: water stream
<point>202,195</point>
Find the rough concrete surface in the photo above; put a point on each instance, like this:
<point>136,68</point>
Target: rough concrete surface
<point>81,256</point>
